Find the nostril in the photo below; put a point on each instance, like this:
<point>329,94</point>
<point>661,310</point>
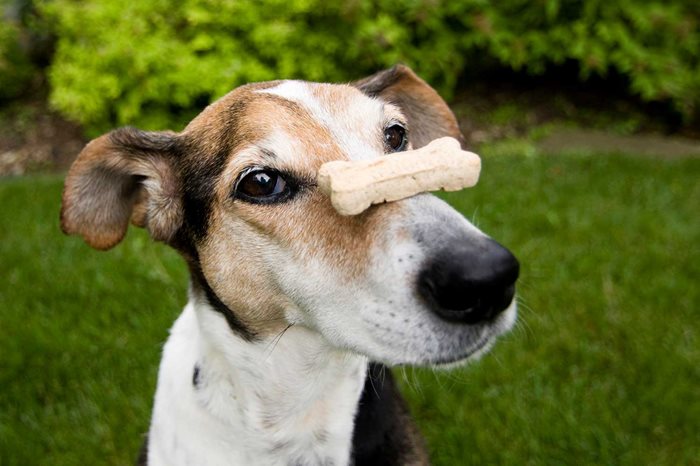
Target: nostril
<point>448,290</point>
<point>470,282</point>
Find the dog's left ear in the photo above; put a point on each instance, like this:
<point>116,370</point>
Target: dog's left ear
<point>428,115</point>
<point>124,175</point>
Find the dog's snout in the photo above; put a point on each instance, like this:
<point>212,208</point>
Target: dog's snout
<point>469,282</point>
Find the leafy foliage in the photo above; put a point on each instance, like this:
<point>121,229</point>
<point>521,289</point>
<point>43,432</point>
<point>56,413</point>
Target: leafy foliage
<point>155,63</point>
<point>16,68</point>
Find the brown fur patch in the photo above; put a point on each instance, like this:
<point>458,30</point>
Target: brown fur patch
<point>110,177</point>
<point>307,226</point>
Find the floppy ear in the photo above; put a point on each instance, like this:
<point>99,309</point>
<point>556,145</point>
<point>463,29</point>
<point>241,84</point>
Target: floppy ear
<point>125,174</point>
<point>428,115</point>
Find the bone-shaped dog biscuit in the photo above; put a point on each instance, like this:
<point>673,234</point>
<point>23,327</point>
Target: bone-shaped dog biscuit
<point>354,186</point>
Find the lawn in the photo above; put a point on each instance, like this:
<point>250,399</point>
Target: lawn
<point>602,369</point>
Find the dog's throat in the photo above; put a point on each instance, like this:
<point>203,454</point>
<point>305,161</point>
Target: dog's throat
<point>201,286</point>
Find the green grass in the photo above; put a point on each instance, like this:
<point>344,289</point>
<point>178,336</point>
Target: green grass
<point>602,369</point>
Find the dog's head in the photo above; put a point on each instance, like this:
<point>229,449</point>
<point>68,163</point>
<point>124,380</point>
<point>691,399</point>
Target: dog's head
<point>405,282</point>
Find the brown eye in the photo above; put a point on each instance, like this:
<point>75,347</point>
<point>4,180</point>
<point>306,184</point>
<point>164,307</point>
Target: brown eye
<point>261,186</point>
<point>395,138</point>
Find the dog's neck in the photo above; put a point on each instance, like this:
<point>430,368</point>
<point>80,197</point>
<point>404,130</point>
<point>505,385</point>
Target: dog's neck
<point>287,399</point>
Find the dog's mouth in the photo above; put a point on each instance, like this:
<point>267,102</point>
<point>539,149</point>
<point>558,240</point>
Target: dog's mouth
<point>430,341</point>
<point>483,343</point>
<point>456,344</point>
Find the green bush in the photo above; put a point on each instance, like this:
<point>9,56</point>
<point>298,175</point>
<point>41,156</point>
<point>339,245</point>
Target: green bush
<point>155,63</point>
<point>16,67</point>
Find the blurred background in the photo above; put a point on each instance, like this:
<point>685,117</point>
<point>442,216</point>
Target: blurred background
<point>586,113</point>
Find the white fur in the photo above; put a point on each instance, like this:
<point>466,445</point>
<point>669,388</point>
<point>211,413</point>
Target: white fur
<point>355,124</point>
<point>289,400</point>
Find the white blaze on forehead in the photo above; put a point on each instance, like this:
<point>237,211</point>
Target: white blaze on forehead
<point>355,120</point>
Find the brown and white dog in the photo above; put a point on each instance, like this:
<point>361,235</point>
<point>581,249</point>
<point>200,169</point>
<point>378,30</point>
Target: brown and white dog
<point>269,363</point>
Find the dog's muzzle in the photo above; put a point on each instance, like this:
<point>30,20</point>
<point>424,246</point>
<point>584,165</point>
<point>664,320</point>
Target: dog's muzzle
<point>469,282</point>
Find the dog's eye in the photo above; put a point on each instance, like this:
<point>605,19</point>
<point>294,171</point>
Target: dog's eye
<point>395,138</point>
<point>261,186</point>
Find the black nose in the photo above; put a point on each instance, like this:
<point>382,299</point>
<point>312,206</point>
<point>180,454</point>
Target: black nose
<point>469,282</point>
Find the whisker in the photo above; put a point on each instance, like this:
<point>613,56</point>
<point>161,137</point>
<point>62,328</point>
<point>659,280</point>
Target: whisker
<point>276,340</point>
<point>370,376</point>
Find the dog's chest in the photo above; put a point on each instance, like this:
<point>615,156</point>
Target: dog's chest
<point>273,412</point>
<point>313,428</point>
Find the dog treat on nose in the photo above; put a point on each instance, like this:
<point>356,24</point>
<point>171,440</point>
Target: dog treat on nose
<point>442,164</point>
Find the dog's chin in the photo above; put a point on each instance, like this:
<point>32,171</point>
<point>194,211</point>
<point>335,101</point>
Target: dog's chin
<point>482,345</point>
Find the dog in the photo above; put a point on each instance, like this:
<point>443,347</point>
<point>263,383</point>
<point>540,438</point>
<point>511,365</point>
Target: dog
<point>294,311</point>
